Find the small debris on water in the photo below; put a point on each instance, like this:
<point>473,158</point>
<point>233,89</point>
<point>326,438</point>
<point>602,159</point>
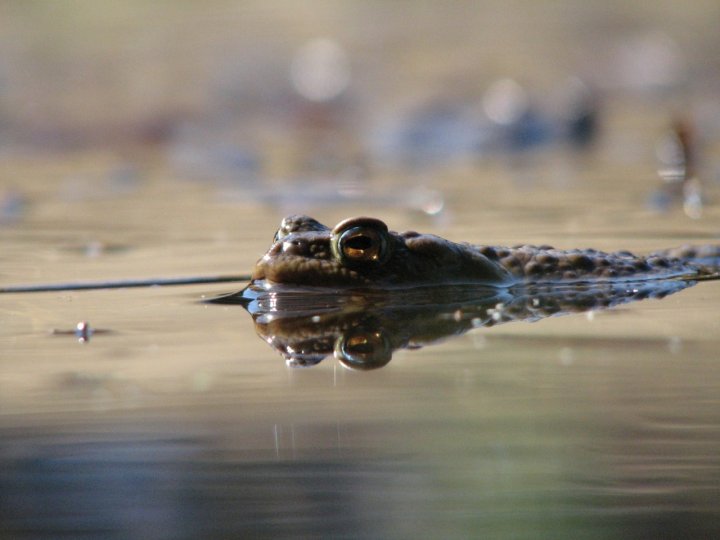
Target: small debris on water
<point>83,331</point>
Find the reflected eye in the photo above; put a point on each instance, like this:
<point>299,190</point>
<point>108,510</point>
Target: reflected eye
<point>361,349</point>
<point>360,244</point>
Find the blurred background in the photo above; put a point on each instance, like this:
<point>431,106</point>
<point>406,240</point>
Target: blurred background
<point>168,138</point>
<point>256,94</point>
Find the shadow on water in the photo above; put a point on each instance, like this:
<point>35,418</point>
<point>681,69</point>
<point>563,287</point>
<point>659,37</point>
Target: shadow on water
<point>363,329</point>
<point>169,489</point>
<point>180,488</point>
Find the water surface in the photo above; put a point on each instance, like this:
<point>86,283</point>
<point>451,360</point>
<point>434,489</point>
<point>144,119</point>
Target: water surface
<point>181,422</point>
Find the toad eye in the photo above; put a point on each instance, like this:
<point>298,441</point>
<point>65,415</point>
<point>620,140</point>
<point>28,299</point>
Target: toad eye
<point>360,245</point>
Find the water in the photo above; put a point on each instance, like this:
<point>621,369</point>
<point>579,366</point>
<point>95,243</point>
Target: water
<point>179,422</point>
<point>176,147</point>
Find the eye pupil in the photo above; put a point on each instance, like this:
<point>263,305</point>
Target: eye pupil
<point>359,243</point>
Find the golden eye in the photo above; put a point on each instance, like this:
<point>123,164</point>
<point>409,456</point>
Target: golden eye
<point>360,244</point>
<point>361,241</point>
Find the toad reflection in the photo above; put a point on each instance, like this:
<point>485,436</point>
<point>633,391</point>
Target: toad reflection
<point>363,330</point>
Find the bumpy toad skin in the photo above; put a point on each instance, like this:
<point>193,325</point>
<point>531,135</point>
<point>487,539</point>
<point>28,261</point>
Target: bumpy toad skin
<point>361,252</point>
